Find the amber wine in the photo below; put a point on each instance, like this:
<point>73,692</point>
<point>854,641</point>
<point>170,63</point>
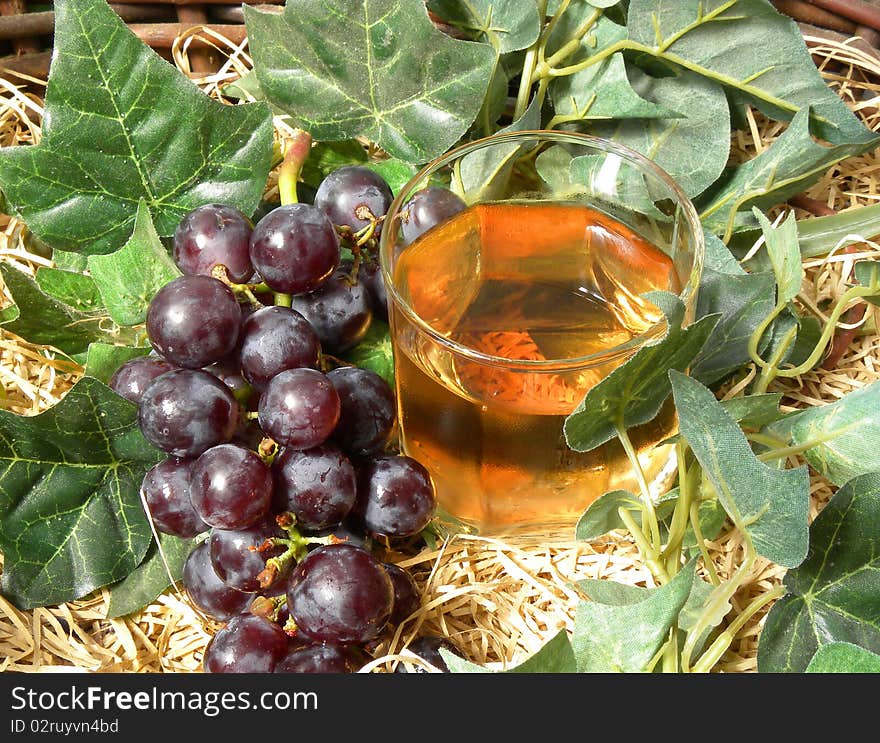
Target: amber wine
<point>527,283</point>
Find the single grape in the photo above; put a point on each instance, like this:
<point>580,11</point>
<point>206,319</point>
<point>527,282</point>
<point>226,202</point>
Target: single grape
<point>367,410</point>
<point>370,276</point>
<point>193,321</point>
<point>205,589</point>
<point>299,408</point>
<point>316,485</point>
<point>134,376</point>
<point>324,658</point>
<point>407,597</point>
<point>274,339</point>
<point>187,411</point>
<point>428,647</point>
<point>339,311</point>
<point>426,209</point>
<point>214,235</point>
<point>233,559</point>
<point>395,496</point>
<point>227,371</point>
<point>340,593</point>
<point>166,491</point>
<point>248,644</point>
<point>349,531</point>
<point>231,487</point>
<point>352,194</point>
<point>295,248</point>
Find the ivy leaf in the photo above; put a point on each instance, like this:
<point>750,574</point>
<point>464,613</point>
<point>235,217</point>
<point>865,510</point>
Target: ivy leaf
<point>68,261</point>
<point>149,579</point>
<point>843,657</point>
<point>747,46</point>
<point>847,432</point>
<point>868,274</point>
<point>834,596</point>
<point>784,254</point>
<point>379,69</point>
<point>771,505</point>
<point>555,656</point>
<point>508,25</point>
<point>693,147</point>
<point>119,128</point>
<point>602,515</point>
<point>647,614</point>
<point>602,90</point>
<point>325,157</point>
<point>102,359</point>
<point>74,289</point>
<point>129,278</point>
<point>374,352</point>
<point>71,518</point>
<point>784,169</point>
<point>42,319</point>
<point>396,173</point>
<point>635,391</point>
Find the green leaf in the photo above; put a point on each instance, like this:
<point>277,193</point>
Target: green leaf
<point>771,505</point>
<point>325,157</point>
<point>755,411</point>
<point>697,602</point>
<point>149,579</point>
<point>508,25</point>
<point>602,516</point>
<point>645,615</point>
<point>42,319</point>
<point>756,53</point>
<point>784,254</point>
<point>784,169</point>
<point>374,352</point>
<point>67,261</point>
<point>743,302</point>
<point>484,173</point>
<point>603,90</point>
<point>119,127</point>
<point>103,359</point>
<point>847,433</point>
<point>71,518</point>
<point>633,393</point>
<point>378,69</point>
<point>555,656</point>
<point>396,173</point>
<point>843,657</point>
<point>129,278</point>
<point>868,274</point>
<point>694,147</point>
<point>834,596</point>
<point>74,289</point>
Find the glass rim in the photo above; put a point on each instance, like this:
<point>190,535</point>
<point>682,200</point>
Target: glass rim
<point>687,294</point>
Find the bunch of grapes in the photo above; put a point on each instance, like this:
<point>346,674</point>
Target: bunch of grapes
<point>278,451</point>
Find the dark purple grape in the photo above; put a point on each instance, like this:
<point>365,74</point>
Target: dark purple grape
<point>193,321</point>
<point>426,209</point>
<point>231,487</point>
<point>340,593</point>
<point>205,589</point>
<point>316,485</point>
<point>166,491</point>
<point>299,408</point>
<point>339,311</point>
<point>395,496</point>
<point>325,658</point>
<point>295,248</point>
<point>367,410</point>
<point>273,340</point>
<point>187,411</point>
<point>407,597</point>
<point>228,372</point>
<point>370,275</point>
<point>214,235</point>
<point>248,644</point>
<point>428,647</point>
<point>133,377</point>
<point>234,562</point>
<point>352,194</point>
<point>349,531</point>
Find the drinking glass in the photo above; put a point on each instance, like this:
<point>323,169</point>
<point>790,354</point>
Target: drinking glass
<point>504,315</point>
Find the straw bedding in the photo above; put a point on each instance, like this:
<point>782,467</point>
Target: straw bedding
<point>498,601</point>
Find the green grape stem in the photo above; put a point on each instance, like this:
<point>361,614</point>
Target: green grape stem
<point>296,149</point>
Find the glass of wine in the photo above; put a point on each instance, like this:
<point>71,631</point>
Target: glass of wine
<point>513,295</point>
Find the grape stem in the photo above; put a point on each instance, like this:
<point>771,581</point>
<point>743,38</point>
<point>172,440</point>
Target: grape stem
<point>296,149</point>
<point>296,546</point>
